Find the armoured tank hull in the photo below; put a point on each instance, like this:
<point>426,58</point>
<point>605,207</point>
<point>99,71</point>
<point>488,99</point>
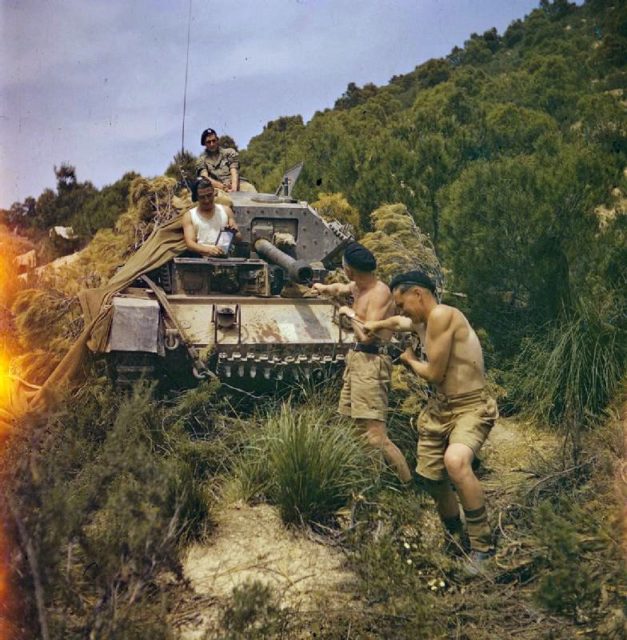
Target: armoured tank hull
<point>248,318</point>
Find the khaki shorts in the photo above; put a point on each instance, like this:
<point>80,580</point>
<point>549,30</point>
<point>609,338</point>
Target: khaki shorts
<point>461,419</point>
<point>364,395</point>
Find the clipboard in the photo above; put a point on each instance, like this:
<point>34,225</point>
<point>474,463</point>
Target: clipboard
<point>225,240</point>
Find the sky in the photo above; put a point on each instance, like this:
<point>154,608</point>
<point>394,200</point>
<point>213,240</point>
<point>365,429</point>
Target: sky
<point>99,84</point>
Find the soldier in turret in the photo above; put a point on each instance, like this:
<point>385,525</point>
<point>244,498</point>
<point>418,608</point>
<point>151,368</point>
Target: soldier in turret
<point>220,166</point>
<point>364,395</point>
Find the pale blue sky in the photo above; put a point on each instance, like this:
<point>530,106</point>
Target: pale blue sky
<point>99,83</point>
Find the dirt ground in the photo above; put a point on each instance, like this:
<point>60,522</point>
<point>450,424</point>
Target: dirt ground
<point>251,543</point>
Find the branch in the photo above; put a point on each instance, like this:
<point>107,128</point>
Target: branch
<point>34,568</point>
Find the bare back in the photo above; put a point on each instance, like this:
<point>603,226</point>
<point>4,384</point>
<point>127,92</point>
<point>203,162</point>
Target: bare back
<point>372,303</point>
<point>464,368</point>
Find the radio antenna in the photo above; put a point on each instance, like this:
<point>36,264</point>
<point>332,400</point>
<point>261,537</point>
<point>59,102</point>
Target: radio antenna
<point>189,28</point>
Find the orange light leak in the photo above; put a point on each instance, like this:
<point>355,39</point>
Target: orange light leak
<point>5,379</point>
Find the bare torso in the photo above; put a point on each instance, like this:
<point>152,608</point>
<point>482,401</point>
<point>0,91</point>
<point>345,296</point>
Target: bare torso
<point>372,303</point>
<point>464,368</point>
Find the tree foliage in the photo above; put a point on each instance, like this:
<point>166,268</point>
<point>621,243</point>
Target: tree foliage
<point>502,151</point>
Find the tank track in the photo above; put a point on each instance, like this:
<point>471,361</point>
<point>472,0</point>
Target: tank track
<point>270,367</point>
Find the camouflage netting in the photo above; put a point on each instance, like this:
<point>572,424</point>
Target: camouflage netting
<point>47,322</point>
<point>399,245</point>
<point>152,203</point>
<point>148,234</point>
<point>334,206</point>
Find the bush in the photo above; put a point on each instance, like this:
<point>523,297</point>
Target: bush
<point>306,462</point>
<point>253,612</point>
<point>567,584</point>
<point>106,507</point>
<point>568,376</point>
<point>399,245</point>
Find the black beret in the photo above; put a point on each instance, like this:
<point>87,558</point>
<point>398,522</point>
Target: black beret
<point>206,133</point>
<point>418,278</point>
<point>357,256</point>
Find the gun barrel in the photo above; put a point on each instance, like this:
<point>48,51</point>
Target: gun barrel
<point>298,270</point>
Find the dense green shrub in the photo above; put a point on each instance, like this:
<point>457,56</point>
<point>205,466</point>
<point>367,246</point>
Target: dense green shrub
<point>567,585</point>
<point>252,612</point>
<point>305,461</point>
<point>568,375</point>
<point>108,493</point>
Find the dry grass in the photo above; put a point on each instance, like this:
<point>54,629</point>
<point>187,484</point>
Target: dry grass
<point>399,245</point>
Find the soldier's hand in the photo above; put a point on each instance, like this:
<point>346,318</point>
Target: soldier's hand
<point>408,356</point>
<point>213,251</point>
<point>370,327</point>
<point>318,287</point>
<point>346,311</point>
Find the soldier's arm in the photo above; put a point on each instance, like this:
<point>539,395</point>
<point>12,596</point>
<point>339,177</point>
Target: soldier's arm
<point>202,171</point>
<point>439,343</point>
<point>233,161</point>
<point>231,224</point>
<point>234,179</point>
<point>334,290</point>
<point>393,323</point>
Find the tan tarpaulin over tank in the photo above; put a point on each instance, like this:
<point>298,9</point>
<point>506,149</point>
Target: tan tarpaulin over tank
<point>165,243</point>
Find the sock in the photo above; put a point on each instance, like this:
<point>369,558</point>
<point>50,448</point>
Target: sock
<point>479,530</point>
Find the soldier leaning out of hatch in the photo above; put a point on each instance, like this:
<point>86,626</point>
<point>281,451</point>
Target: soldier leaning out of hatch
<point>203,223</point>
<point>220,166</point>
<point>460,413</point>
<point>364,395</point>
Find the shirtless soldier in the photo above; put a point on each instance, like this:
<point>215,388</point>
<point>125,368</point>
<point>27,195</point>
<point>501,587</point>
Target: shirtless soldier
<point>458,418</point>
<point>364,395</point>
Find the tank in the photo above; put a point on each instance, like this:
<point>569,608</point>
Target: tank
<point>245,318</point>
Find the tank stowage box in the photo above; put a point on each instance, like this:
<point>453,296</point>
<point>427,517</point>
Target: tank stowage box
<point>249,315</point>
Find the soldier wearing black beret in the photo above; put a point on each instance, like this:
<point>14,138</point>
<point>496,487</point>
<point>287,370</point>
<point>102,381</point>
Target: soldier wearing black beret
<point>364,395</point>
<point>460,413</point>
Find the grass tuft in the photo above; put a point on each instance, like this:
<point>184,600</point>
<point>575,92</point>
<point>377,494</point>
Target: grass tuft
<point>568,376</point>
<point>306,462</point>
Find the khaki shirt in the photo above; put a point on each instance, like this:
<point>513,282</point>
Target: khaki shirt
<point>217,166</point>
